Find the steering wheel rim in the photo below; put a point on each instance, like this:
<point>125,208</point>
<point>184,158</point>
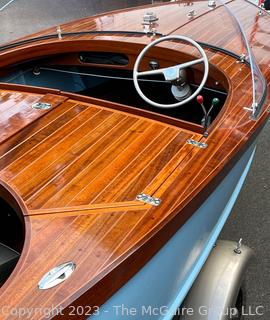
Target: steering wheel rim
<point>137,74</point>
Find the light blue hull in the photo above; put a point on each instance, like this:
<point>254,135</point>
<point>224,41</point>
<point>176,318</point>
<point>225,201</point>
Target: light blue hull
<point>162,284</point>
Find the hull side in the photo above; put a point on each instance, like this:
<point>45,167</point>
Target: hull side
<point>158,289</point>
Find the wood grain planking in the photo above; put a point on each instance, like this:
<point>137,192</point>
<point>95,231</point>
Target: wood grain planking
<point>53,159</point>
<point>121,161</point>
<point>25,136</point>
<point>92,168</point>
<point>72,121</point>
<point>111,192</point>
<point>74,172</point>
<point>155,168</point>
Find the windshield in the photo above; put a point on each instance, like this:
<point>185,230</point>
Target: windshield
<point>229,27</point>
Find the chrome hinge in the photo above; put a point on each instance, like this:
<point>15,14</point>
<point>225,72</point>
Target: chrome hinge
<point>41,106</point>
<point>197,144</point>
<point>148,199</point>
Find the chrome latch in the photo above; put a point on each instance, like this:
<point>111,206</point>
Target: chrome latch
<point>148,199</point>
<point>41,106</point>
<point>197,144</point>
<point>57,275</point>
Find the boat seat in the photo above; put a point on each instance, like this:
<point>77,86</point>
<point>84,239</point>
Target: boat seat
<point>8,260</point>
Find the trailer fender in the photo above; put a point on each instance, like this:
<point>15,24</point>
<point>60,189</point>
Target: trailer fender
<point>214,293</point>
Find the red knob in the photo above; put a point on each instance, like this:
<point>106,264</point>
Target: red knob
<point>200,99</point>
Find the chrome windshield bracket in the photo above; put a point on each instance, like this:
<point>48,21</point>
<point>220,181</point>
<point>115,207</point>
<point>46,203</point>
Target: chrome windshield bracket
<point>242,58</point>
<point>197,144</point>
<point>59,33</point>
<point>148,199</point>
<point>254,110</point>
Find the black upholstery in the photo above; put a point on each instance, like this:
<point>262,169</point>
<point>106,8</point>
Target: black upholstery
<point>8,260</point>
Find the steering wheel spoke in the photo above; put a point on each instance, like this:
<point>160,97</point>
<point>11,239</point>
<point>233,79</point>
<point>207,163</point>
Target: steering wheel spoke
<point>150,73</point>
<point>190,63</point>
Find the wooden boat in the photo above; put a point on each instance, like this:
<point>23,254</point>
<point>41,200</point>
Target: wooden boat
<point>125,194</point>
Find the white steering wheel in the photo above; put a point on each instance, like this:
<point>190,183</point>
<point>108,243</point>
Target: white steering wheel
<point>171,74</point>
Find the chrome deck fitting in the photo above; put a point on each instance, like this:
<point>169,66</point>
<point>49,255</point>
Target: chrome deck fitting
<point>148,199</point>
<point>41,106</point>
<point>150,23</point>
<point>191,14</point>
<point>57,275</point>
<point>212,4</point>
<point>197,144</point>
<point>150,17</point>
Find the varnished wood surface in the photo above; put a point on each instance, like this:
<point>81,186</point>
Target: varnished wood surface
<point>76,170</point>
<point>81,155</point>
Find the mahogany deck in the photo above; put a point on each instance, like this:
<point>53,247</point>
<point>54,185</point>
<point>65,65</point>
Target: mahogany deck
<point>76,170</point>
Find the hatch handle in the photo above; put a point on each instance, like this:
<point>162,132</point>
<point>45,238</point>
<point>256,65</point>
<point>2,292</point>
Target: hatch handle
<point>57,275</point>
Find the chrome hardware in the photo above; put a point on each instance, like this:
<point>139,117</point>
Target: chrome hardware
<point>150,29</point>
<point>149,18</point>
<point>57,275</point>
<point>148,199</point>
<point>36,71</point>
<point>59,32</point>
<point>191,13</point>
<point>150,23</point>
<point>248,109</point>
<point>41,106</point>
<point>238,247</point>
<point>212,3</point>
<point>154,65</point>
<point>253,109</point>
<point>197,144</point>
<point>205,134</point>
<point>262,9</point>
<point>242,58</point>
